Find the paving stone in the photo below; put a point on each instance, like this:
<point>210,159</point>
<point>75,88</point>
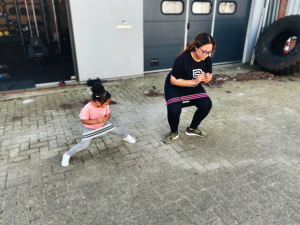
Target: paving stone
<point>245,172</point>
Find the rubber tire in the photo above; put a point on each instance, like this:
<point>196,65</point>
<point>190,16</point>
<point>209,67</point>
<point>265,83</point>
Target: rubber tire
<point>269,48</point>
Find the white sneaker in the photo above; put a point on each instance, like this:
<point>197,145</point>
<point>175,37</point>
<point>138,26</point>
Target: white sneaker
<point>129,139</point>
<point>65,160</point>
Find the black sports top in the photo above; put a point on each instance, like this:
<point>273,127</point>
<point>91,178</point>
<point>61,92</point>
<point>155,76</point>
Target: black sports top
<point>185,67</point>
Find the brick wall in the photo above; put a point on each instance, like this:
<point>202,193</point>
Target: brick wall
<point>282,8</point>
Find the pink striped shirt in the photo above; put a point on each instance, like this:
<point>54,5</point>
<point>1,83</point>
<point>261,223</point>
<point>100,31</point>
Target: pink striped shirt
<point>89,112</point>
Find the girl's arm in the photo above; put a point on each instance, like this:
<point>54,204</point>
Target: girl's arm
<point>184,83</point>
<point>97,121</point>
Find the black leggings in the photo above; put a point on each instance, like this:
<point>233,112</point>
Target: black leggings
<point>174,110</point>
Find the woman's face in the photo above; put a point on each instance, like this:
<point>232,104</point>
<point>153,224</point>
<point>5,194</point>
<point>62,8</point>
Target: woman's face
<point>204,51</point>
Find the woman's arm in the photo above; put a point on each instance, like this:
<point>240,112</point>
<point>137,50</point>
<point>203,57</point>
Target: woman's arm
<point>97,121</point>
<point>184,83</point>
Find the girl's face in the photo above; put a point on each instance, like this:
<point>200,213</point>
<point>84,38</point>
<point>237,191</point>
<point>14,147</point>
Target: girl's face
<point>104,104</point>
<point>204,51</point>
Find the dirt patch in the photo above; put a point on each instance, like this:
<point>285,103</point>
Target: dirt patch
<point>219,79</point>
<point>17,118</point>
<point>66,106</point>
<point>153,93</point>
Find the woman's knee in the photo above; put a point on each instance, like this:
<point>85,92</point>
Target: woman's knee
<point>175,108</point>
<point>209,103</point>
<point>204,104</point>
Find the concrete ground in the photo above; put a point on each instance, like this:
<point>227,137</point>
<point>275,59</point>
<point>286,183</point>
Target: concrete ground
<point>245,172</point>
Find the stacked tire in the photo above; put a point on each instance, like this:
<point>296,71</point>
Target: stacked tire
<point>269,50</point>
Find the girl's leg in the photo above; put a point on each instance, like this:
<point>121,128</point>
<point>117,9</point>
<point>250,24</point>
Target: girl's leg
<point>80,146</point>
<point>203,108</point>
<point>126,137</point>
<point>174,111</point>
<point>76,148</point>
<point>118,131</point>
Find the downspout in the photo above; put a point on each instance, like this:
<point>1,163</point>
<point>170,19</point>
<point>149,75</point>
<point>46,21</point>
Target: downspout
<point>213,19</point>
<point>186,23</point>
<point>260,28</point>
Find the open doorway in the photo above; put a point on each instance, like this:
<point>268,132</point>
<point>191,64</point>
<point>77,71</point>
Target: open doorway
<point>35,43</point>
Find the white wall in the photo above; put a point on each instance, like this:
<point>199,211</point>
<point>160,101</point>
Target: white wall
<point>103,50</point>
<point>253,28</point>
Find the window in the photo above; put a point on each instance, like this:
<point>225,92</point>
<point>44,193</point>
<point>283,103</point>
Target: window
<point>227,7</point>
<point>172,7</point>
<point>201,7</point>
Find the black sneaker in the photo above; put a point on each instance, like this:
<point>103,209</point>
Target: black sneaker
<point>196,132</point>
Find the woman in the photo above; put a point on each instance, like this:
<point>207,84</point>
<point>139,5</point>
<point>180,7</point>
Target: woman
<point>183,83</point>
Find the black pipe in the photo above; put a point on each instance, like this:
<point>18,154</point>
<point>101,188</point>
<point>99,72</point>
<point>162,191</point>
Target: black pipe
<point>20,26</point>
<point>45,20</point>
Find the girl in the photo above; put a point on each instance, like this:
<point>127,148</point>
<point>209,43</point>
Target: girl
<point>183,83</point>
<point>95,116</point>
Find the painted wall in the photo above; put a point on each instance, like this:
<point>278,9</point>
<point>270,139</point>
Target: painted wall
<point>108,38</point>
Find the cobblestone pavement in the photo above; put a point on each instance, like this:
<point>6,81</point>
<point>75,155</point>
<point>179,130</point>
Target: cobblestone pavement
<point>245,172</point>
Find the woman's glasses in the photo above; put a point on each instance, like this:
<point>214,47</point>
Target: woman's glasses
<point>205,53</point>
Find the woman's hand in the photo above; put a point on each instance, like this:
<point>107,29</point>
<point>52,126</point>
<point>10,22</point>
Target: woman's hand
<point>185,83</point>
<point>208,77</point>
<point>199,78</point>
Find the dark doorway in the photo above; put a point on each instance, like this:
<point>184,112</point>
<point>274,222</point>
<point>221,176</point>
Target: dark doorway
<point>34,42</point>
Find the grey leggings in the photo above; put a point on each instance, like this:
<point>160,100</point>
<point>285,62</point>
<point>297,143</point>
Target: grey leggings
<point>85,143</point>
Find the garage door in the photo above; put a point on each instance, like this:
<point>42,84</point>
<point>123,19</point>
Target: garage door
<point>168,25</point>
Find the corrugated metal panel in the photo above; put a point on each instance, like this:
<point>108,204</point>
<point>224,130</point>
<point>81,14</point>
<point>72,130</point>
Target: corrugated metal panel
<point>272,15</point>
<point>272,12</point>
<point>293,7</point>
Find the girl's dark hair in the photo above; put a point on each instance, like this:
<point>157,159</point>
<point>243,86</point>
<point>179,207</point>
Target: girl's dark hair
<point>200,40</point>
<point>99,93</point>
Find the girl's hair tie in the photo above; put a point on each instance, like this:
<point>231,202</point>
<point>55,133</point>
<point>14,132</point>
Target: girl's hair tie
<point>97,96</point>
